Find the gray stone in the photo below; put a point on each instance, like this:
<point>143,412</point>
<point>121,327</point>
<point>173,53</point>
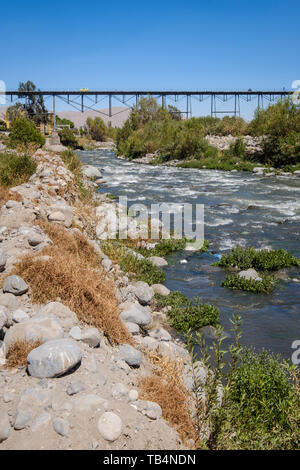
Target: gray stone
<point>133,328</point>
<point>19,316</point>
<point>92,337</point>
<point>161,334</point>
<point>42,329</point>
<point>158,261</point>
<point>56,216</point>
<point>133,395</point>
<point>9,301</point>
<point>67,318</point>
<point>160,289</point>
<point>4,426</point>
<point>75,387</point>
<point>61,426</point>
<point>249,274</point>
<point>3,260</point>
<point>149,408</point>
<point>136,313</point>
<point>130,355</point>
<point>143,292</point>
<point>110,426</point>
<point>11,204</point>
<point>15,285</point>
<point>35,239</point>
<point>2,353</point>
<point>23,418</point>
<point>99,379</point>
<point>91,171</point>
<point>54,358</point>
<point>75,333</point>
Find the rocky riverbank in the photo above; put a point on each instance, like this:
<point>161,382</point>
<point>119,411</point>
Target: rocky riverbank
<point>77,389</point>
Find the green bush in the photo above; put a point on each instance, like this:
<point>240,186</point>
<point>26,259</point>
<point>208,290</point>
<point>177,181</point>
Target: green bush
<point>15,169</point>
<point>68,138</point>
<point>263,260</point>
<point>24,132</point>
<point>265,286</point>
<point>262,404</point>
<point>185,314</point>
<point>252,400</point>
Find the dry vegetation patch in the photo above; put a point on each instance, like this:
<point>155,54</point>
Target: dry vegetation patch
<point>17,353</point>
<point>7,195</point>
<point>72,274</point>
<point>165,387</point>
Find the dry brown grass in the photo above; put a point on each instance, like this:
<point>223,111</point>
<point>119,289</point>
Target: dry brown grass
<point>7,195</point>
<point>72,274</point>
<point>17,353</point>
<point>165,387</point>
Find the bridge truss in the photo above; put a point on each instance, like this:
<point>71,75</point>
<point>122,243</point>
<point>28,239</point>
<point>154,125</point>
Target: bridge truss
<point>88,100</point>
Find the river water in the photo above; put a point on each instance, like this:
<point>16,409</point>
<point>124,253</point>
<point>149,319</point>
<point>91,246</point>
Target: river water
<point>272,220</point>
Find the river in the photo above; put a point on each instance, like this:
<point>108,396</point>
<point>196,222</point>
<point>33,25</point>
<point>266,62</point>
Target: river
<point>272,220</point>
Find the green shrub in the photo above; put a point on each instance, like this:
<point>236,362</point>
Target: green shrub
<point>15,169</point>
<point>142,269</point>
<point>68,138</point>
<point>265,286</point>
<point>24,132</point>
<point>186,314</point>
<point>3,126</point>
<point>263,260</point>
<point>252,400</point>
<point>262,404</point>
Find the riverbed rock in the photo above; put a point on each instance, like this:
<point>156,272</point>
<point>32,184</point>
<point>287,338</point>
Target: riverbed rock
<point>92,337</point>
<point>42,329</point>
<point>160,289</point>
<point>19,316</point>
<point>15,285</point>
<point>158,261</point>
<point>136,313</point>
<point>35,239</point>
<point>3,259</point>
<point>4,426</point>
<point>75,387</point>
<point>54,358</point>
<point>143,292</point>
<point>161,334</point>
<point>3,316</point>
<point>61,426</point>
<point>149,408</point>
<point>130,355</point>
<point>249,274</point>
<point>91,171</point>
<point>56,216</point>
<point>67,317</point>
<point>110,426</point>
<point>133,328</point>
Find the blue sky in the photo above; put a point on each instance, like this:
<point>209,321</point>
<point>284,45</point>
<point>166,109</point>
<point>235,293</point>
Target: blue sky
<point>157,44</point>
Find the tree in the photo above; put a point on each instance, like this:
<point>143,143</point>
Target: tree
<point>97,128</point>
<point>15,112</point>
<point>34,105</point>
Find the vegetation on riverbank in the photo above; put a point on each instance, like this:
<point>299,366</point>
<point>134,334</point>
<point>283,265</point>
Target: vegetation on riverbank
<point>263,260</point>
<point>264,285</point>
<point>252,403</point>
<point>185,314</point>
<point>152,129</point>
<point>15,169</point>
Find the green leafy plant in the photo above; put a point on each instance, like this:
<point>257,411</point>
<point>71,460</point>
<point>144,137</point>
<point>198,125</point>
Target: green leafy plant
<point>186,314</point>
<point>252,403</point>
<point>15,169</point>
<point>264,286</point>
<point>24,132</point>
<point>264,260</point>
